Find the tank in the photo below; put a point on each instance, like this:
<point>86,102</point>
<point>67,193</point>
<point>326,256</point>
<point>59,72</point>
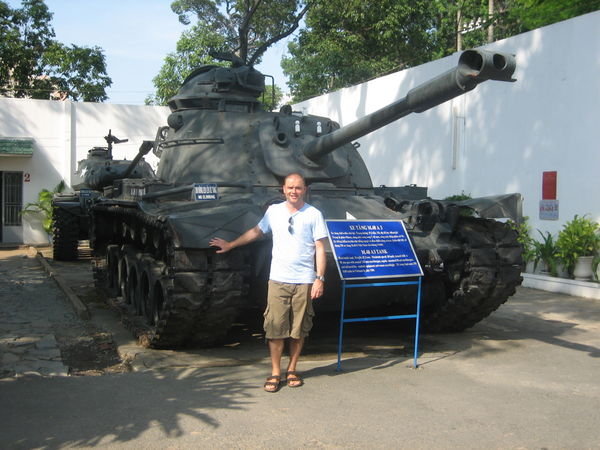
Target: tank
<point>222,162</point>
<point>71,210</point>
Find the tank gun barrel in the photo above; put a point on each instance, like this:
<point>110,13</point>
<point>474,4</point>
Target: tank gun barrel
<point>143,151</point>
<point>474,67</point>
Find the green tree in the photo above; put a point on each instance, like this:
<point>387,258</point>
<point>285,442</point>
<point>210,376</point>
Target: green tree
<point>525,15</point>
<point>192,51</point>
<point>249,27</point>
<point>34,65</point>
<point>246,28</point>
<point>350,41</point>
<point>272,97</point>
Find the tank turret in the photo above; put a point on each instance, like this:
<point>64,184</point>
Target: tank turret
<point>222,160</point>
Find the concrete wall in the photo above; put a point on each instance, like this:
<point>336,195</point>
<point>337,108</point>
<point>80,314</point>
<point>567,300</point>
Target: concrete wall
<point>63,132</point>
<point>500,137</point>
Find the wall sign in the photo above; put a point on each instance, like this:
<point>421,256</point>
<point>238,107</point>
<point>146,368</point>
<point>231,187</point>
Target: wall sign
<point>549,209</point>
<point>205,191</point>
<point>372,249</point>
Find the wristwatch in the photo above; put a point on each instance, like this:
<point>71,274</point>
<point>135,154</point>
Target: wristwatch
<point>320,277</point>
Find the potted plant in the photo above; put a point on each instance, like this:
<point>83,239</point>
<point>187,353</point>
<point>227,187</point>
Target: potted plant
<point>578,242</point>
<point>546,251</point>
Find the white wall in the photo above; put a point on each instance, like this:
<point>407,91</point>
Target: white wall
<point>508,133</point>
<point>63,132</point>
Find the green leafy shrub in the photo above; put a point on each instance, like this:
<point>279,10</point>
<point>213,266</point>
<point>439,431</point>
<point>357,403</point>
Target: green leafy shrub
<point>523,230</point>
<point>459,197</point>
<point>578,237</point>
<point>464,210</point>
<point>546,251</point>
<point>43,206</point>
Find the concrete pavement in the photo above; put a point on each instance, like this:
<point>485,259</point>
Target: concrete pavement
<point>526,377</point>
<point>32,310</point>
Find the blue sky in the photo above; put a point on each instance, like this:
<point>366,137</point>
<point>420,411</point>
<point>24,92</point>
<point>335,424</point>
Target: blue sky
<point>135,35</point>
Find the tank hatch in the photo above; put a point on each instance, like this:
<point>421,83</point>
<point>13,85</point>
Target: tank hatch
<point>220,88</point>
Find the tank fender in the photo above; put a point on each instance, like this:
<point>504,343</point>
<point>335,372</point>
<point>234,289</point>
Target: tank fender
<point>505,206</point>
<point>194,229</point>
<point>70,207</point>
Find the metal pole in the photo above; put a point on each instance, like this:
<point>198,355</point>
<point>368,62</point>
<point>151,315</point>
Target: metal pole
<point>339,361</point>
<point>418,321</point>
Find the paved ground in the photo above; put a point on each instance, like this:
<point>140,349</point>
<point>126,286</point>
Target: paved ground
<point>527,377</point>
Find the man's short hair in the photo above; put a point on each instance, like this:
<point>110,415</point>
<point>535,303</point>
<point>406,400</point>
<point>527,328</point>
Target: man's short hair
<point>295,174</point>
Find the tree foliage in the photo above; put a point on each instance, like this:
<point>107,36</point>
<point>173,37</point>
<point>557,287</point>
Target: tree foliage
<point>519,16</point>
<point>350,41</point>
<point>34,65</point>
<point>191,52</point>
<point>246,28</point>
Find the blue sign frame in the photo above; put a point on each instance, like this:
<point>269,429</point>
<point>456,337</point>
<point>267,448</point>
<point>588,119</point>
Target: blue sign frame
<point>370,250</point>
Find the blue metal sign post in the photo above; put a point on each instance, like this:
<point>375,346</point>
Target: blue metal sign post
<point>370,250</point>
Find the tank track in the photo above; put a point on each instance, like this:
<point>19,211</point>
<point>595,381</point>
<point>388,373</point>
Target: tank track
<point>491,274</point>
<point>65,235</point>
<point>169,297</point>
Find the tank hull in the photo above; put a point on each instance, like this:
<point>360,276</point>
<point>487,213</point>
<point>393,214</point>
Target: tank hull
<point>178,291</point>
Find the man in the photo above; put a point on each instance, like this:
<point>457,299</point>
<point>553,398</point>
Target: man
<point>299,233</point>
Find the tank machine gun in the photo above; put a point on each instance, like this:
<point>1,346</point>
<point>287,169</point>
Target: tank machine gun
<point>150,235</point>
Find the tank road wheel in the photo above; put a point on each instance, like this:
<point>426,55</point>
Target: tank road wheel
<point>143,306</point>
<point>491,273</point>
<point>157,301</point>
<point>112,269</point>
<point>195,307</point>
<point>66,235</point>
<point>193,299</point>
<point>226,292</point>
<point>125,262</point>
<point>152,291</point>
<point>134,286</point>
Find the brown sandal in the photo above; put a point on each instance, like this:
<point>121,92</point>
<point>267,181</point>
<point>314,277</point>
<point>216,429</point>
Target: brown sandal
<point>272,384</point>
<point>295,379</point>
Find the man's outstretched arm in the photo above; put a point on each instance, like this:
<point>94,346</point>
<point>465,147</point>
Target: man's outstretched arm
<point>224,246</point>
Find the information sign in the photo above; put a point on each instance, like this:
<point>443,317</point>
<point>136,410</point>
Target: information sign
<point>372,249</point>
<point>205,191</point>
<point>548,209</point>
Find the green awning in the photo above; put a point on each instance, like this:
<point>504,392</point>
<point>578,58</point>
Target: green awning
<point>16,147</point>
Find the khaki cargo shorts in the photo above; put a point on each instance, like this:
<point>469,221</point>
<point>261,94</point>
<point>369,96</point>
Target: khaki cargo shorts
<point>289,311</point>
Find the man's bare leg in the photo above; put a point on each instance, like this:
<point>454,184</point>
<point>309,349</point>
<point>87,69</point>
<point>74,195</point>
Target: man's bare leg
<point>276,347</point>
<point>275,350</point>
<point>295,350</point>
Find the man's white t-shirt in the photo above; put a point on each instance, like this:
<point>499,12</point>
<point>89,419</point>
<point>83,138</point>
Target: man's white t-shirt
<point>293,257</point>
